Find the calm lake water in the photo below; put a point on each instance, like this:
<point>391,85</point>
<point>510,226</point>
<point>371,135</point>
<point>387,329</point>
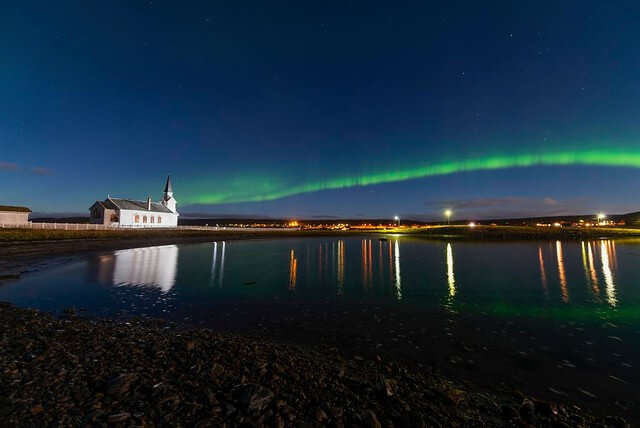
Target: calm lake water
<point>572,280</point>
<point>558,318</point>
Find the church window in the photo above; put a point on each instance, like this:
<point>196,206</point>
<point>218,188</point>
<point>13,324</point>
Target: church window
<point>159,219</point>
<point>144,218</point>
<point>136,218</point>
<point>153,219</point>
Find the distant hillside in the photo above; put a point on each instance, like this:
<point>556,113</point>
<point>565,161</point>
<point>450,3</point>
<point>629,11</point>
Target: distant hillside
<point>282,222</point>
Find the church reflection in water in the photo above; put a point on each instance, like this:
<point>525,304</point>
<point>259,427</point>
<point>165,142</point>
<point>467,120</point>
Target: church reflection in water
<point>153,267</point>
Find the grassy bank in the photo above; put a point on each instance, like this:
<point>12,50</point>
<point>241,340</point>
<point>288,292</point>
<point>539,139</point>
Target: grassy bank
<point>70,371</point>
<point>434,232</point>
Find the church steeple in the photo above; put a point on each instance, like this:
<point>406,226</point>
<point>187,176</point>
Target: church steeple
<point>168,190</point>
<point>167,198</point>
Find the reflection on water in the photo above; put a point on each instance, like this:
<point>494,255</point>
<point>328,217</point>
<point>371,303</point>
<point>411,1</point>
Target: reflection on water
<point>592,272</point>
<point>293,270</point>
<point>215,272</point>
<point>543,274</point>
<point>326,262</point>
<point>519,276</point>
<point>340,265</point>
<point>561,273</point>
<point>451,280</point>
<point>397,269</point>
<point>605,253</point>
<point>145,267</point>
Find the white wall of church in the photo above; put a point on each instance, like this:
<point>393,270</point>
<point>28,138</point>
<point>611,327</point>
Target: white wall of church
<point>127,219</point>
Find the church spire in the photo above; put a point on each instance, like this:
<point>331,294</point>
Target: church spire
<point>167,187</point>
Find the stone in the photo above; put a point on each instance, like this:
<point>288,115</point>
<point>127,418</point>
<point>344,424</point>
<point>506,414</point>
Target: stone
<point>320,415</point>
<point>509,412</point>
<point>454,396</point>
<point>370,420</point>
<point>37,409</point>
<point>119,417</point>
<point>120,385</point>
<point>390,386</point>
<point>335,413</point>
<point>253,398</point>
<point>217,370</point>
<point>527,411</point>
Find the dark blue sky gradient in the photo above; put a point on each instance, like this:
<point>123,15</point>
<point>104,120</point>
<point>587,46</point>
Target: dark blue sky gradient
<point>102,98</point>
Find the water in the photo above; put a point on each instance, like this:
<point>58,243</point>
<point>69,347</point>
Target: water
<point>556,317</point>
<point>571,280</point>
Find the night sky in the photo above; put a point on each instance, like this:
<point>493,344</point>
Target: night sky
<point>323,109</point>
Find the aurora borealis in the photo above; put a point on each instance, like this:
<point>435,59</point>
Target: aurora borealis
<point>288,109</point>
<point>629,159</point>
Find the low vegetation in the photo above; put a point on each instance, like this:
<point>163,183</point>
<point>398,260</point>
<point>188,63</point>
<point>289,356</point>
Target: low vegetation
<point>434,232</point>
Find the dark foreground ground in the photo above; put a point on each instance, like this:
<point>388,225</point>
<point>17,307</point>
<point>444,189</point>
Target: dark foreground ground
<point>70,371</point>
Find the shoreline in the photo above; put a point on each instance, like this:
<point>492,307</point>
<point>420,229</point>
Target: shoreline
<point>71,370</point>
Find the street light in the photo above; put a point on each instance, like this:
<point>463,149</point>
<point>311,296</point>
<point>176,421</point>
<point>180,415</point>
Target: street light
<point>397,219</point>
<point>601,217</point>
<point>447,214</point>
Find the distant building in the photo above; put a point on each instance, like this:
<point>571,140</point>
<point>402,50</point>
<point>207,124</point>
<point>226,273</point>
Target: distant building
<point>129,213</point>
<point>14,215</point>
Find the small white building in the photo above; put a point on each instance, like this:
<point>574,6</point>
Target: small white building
<point>129,213</point>
<point>14,216</point>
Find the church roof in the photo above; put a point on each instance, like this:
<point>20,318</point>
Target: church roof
<point>167,187</point>
<point>129,204</point>
<point>14,209</point>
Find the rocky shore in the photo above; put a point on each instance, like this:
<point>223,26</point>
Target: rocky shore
<point>72,371</point>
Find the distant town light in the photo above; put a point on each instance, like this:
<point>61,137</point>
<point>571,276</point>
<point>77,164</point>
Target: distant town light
<point>447,214</point>
<point>601,216</point>
<point>472,224</point>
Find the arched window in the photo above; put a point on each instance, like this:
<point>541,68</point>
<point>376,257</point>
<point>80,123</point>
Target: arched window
<point>136,218</point>
<point>153,219</point>
<point>144,218</point>
<point>159,219</point>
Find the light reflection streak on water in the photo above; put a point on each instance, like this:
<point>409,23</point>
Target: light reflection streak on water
<point>390,261</point>
<point>213,264</point>
<point>397,266</point>
<point>584,261</point>
<point>370,262</point>
<point>612,255</point>
<point>561,273</point>
<point>363,248</point>
<point>608,276</point>
<point>380,267</point>
<point>341,264</point>
<point>451,280</point>
<point>293,270</point>
<point>319,261</point>
<point>224,246</point>
<point>592,272</point>
<point>367,263</point>
<point>543,274</point>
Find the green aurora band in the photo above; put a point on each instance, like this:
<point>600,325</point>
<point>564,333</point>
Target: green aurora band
<point>267,191</point>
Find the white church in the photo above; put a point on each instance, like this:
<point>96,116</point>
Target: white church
<point>118,212</point>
